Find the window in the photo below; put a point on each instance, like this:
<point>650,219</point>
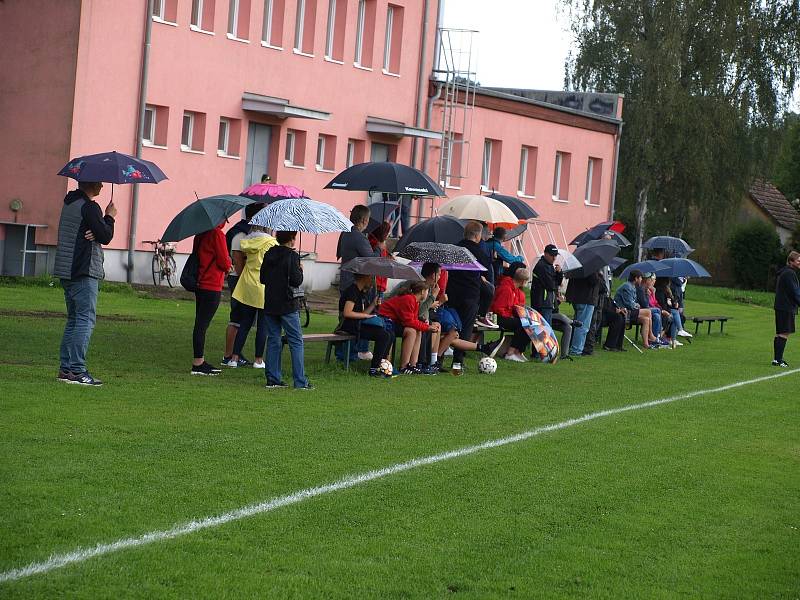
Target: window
<point>155,126</point>
<point>561,176</point>
<point>594,172</point>
<point>228,138</point>
<point>239,19</point>
<point>272,32</point>
<point>166,11</point>
<point>203,15</point>
<point>304,27</point>
<point>365,33</point>
<point>452,159</point>
<point>193,131</point>
<point>295,148</point>
<point>487,163</point>
<point>337,21</point>
<point>326,152</point>
<point>394,40</point>
<point>355,152</point>
<point>527,171</point>
<point>490,171</point>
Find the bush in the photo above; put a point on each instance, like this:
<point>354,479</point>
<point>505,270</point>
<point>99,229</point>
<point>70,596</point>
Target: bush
<point>756,252</point>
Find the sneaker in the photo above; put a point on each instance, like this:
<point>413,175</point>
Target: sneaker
<point>409,370</point>
<point>486,323</point>
<point>587,353</point>
<point>86,379</point>
<point>365,356</point>
<point>373,372</point>
<point>610,349</point>
<point>226,362</point>
<point>515,357</point>
<point>204,369</point>
<point>684,333</point>
<point>428,370</point>
<point>307,386</point>
<point>676,343</point>
<point>448,352</point>
<point>653,346</point>
<point>663,342</point>
<point>260,365</point>
<point>780,363</point>
<point>66,377</point>
<point>276,385</point>
<point>491,348</point>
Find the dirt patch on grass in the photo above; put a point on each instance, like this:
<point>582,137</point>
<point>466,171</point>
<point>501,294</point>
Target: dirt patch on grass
<point>54,314</point>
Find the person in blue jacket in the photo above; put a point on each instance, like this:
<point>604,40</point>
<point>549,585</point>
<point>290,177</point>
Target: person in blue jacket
<point>498,254</point>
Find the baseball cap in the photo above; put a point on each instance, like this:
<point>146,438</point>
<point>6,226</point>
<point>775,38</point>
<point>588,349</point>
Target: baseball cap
<point>551,250</point>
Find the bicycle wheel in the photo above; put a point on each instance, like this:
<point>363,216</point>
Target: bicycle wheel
<point>156,271</point>
<point>171,269</point>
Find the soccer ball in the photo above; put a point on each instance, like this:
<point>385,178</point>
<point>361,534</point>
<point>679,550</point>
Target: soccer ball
<point>385,368</point>
<point>487,366</point>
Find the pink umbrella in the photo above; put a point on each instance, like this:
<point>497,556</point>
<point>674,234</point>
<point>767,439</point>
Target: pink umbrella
<point>270,192</point>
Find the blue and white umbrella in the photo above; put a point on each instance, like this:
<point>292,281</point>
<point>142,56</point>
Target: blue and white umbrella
<point>301,214</point>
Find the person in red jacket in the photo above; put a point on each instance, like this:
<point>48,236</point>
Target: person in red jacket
<point>377,239</point>
<point>213,265</point>
<point>507,296</point>
<point>403,311</point>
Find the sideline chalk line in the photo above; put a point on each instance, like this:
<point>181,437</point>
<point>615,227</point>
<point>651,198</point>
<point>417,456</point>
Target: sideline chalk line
<point>82,554</point>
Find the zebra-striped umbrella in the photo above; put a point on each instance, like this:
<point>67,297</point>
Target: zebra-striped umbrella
<point>301,214</point>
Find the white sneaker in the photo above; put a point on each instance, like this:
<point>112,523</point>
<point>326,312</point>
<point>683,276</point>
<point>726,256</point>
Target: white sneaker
<point>365,356</point>
<point>676,343</point>
<point>515,357</point>
<point>232,363</point>
<point>448,352</point>
<point>684,333</point>
<point>260,365</point>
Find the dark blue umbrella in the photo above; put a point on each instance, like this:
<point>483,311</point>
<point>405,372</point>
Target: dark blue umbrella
<point>112,167</point>
<point>672,246</point>
<point>380,212</point>
<point>598,231</point>
<point>645,266</point>
<point>682,267</point>
<point>445,230</point>
<point>519,207</point>
<point>203,215</point>
<point>387,178</point>
<point>593,256</point>
<point>616,263</point>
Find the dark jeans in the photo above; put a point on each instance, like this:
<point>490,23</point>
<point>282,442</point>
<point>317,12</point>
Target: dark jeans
<point>383,341</point>
<point>547,314</point>
<point>290,323</point>
<point>560,322</point>
<point>595,329</point>
<point>80,296</point>
<point>487,295</point>
<point>520,338</point>
<point>467,309</point>
<point>205,306</point>
<point>616,329</point>
<point>248,314</point>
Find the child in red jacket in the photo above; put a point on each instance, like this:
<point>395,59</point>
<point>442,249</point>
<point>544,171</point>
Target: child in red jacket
<point>507,296</point>
<point>403,311</point>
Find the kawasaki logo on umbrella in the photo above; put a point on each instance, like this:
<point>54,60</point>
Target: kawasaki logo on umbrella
<point>339,184</point>
<point>423,190</point>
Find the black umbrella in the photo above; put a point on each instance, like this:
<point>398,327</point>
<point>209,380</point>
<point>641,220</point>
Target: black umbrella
<point>423,252</point>
<point>519,207</point>
<point>597,232</point>
<point>387,178</point>
<point>380,212</point>
<point>445,230</point>
<point>203,215</point>
<point>672,246</point>
<point>381,266</point>
<point>593,256</point>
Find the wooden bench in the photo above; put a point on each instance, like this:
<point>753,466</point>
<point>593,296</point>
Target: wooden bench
<point>700,320</point>
<point>330,339</point>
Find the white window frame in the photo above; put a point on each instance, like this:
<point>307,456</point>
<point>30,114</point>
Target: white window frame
<point>329,40</point>
<point>300,25</point>
<point>291,139</point>
<point>589,175</point>
<point>362,15</point>
<point>187,145</point>
<point>226,125</point>
<point>159,6</point>
<point>486,170</point>
<point>557,176</point>
<point>523,171</point>
<point>321,152</point>
<point>151,138</point>
<point>351,153</point>
<point>387,48</point>
<point>233,18</point>
<point>196,19</point>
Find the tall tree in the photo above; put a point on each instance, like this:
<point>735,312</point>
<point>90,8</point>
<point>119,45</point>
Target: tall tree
<point>703,79</point>
<point>787,169</point>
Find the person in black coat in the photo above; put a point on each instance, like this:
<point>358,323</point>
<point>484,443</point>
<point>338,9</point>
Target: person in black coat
<point>282,276</point>
<point>787,299</point>
<point>545,281</point>
<point>583,293</point>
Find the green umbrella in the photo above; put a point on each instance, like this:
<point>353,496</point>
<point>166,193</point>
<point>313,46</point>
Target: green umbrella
<point>203,215</point>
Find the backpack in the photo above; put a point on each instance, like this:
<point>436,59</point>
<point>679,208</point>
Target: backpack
<point>190,275</point>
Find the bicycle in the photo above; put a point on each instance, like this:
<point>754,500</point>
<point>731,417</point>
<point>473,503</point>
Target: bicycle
<point>164,266</point>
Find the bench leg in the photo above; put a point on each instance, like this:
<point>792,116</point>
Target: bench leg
<point>636,332</point>
<point>709,327</point>
<point>721,327</point>
<point>328,353</point>
<point>696,327</point>
<point>347,355</point>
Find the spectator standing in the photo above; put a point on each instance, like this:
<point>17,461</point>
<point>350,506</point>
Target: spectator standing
<point>583,294</point>
<point>281,273</point>
<point>213,264</point>
<point>547,277</point>
<point>82,230</point>
<point>787,299</point>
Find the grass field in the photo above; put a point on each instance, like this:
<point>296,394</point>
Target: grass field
<point>696,498</point>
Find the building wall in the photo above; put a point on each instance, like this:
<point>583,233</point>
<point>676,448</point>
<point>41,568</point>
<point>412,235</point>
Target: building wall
<point>36,99</point>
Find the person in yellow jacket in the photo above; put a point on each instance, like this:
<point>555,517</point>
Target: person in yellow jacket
<point>250,293</point>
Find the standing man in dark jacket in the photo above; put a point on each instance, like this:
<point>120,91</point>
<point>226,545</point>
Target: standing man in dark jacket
<point>82,228</point>
<point>281,274</point>
<point>582,293</point>
<point>787,299</point>
<point>544,283</point>
<point>464,287</point>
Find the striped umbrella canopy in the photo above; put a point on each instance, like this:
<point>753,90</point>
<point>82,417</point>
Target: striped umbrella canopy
<point>480,208</point>
<point>271,192</point>
<point>301,214</point>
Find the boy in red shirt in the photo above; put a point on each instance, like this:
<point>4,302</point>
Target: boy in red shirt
<point>507,296</point>
<point>403,311</point>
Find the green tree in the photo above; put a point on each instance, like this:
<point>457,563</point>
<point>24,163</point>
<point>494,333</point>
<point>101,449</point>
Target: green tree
<point>755,251</point>
<point>703,81</point>
<point>787,168</point>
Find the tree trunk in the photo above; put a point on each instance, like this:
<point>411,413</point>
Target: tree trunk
<point>641,217</point>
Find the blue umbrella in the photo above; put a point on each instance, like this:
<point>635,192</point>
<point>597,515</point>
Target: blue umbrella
<point>112,167</point>
<point>203,215</point>
<point>301,214</point>
<point>671,245</point>
<point>645,266</point>
<point>683,267</point>
<point>380,212</point>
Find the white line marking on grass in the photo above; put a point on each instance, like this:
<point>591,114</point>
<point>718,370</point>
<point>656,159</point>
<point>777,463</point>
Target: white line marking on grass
<point>82,554</point>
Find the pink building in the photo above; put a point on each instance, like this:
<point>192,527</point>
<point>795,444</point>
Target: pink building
<point>298,89</point>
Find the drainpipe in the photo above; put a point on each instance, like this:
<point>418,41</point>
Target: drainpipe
<point>423,55</point>
<point>436,44</point>
<point>148,26</point>
<point>614,178</point>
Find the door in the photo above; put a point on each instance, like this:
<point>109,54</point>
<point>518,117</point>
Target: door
<point>257,164</point>
<point>378,153</point>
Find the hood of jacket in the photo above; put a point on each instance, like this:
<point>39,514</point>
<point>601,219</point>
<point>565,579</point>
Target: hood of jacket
<point>504,281</point>
<point>261,243</point>
<point>75,195</point>
<point>277,255</point>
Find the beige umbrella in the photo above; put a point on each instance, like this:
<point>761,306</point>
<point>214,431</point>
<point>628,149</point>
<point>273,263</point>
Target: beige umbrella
<point>480,208</point>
